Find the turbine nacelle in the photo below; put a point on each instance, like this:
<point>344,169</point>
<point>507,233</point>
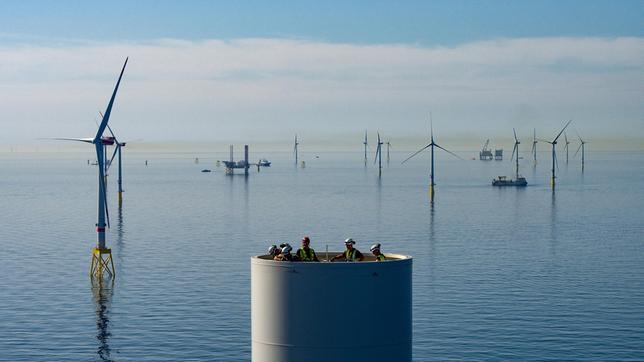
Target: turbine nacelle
<point>108,141</point>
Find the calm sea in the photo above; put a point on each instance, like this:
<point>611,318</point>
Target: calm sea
<point>499,274</point>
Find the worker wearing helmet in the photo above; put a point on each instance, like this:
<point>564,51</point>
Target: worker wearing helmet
<point>351,253</point>
<point>286,255</point>
<point>274,251</point>
<point>375,250</point>
<point>305,253</point>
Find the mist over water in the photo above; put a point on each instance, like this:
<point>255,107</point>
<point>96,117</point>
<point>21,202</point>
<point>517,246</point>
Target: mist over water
<point>499,273</point>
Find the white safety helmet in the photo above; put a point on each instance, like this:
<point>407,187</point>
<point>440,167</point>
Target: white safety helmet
<point>349,241</point>
<point>375,247</point>
<point>287,249</point>
<point>273,250</point>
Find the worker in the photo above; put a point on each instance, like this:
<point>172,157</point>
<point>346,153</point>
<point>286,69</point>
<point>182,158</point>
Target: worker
<point>274,251</point>
<point>351,253</point>
<point>286,255</point>
<point>305,253</point>
<point>375,250</point>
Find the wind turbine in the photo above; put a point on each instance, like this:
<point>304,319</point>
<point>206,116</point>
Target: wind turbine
<point>101,256</point>
<point>365,143</point>
<point>432,144</point>
<point>388,147</point>
<point>554,154</point>
<point>515,150</point>
<point>534,146</point>
<point>117,149</point>
<point>295,149</point>
<point>379,156</point>
<point>582,148</point>
<point>566,146</point>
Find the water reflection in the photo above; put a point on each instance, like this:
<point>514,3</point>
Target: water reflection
<point>246,212</point>
<point>431,253</point>
<point>553,223</point>
<point>102,291</point>
<point>239,200</point>
<point>246,193</point>
<point>120,245</point>
<point>431,227</point>
<point>432,222</point>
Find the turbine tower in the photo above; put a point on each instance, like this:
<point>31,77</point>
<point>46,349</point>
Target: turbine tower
<point>566,146</point>
<point>388,147</point>
<point>102,261</point>
<point>554,155</point>
<point>534,146</point>
<point>117,149</point>
<point>295,149</point>
<point>365,143</point>
<point>515,150</point>
<point>379,156</point>
<point>432,144</point>
<point>582,148</point>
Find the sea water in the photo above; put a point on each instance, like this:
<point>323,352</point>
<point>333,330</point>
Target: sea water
<point>499,273</point>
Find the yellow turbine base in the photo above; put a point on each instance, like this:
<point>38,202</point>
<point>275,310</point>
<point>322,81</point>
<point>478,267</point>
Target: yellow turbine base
<point>552,182</point>
<point>120,197</point>
<point>431,192</point>
<point>102,263</point>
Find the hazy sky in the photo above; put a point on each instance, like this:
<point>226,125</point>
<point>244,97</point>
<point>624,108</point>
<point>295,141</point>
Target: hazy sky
<point>260,70</point>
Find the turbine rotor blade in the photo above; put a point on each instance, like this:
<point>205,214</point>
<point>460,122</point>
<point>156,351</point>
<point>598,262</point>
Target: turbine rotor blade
<point>113,155</point>
<point>417,152</point>
<point>108,111</point>
<point>562,130</point>
<point>515,135</point>
<point>556,162</point>
<point>86,140</point>
<point>112,133</point>
<point>514,150</point>
<point>107,211</point>
<point>578,150</point>
<point>580,140</point>
<point>377,153</point>
<point>450,152</point>
<point>431,127</point>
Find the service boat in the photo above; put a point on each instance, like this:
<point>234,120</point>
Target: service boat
<point>503,181</point>
<point>520,181</point>
<point>264,163</point>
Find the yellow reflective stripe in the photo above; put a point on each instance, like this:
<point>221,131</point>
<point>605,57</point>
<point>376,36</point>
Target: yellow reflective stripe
<point>306,256</point>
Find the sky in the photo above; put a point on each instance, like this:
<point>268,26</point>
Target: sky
<point>260,71</point>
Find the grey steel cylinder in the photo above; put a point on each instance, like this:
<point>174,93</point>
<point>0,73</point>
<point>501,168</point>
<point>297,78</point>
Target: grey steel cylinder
<point>310,312</point>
